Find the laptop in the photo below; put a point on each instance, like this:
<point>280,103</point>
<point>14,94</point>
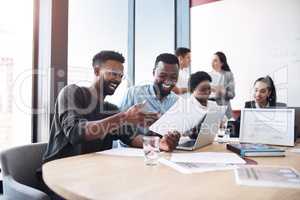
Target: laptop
<point>209,129</point>
<point>267,126</point>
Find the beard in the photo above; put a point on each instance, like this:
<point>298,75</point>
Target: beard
<point>163,89</point>
<point>109,87</point>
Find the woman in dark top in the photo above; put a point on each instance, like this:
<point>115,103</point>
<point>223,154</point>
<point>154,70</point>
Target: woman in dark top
<point>264,97</point>
<point>264,94</point>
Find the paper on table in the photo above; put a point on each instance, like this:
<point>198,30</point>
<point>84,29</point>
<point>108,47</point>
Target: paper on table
<point>267,176</point>
<point>131,152</point>
<point>184,115</point>
<point>295,150</point>
<point>226,139</point>
<point>207,157</point>
<point>189,168</point>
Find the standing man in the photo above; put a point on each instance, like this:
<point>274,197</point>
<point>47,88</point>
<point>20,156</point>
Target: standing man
<point>184,57</point>
<point>158,96</point>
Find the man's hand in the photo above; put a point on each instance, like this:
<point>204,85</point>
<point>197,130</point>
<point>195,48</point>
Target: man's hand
<point>169,142</point>
<point>136,115</point>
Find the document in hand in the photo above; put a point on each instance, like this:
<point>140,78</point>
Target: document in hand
<point>184,115</point>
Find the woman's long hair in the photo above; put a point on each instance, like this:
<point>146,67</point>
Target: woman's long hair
<point>271,87</point>
<point>223,59</point>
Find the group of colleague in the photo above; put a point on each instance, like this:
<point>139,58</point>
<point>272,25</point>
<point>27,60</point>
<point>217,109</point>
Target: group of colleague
<point>84,122</point>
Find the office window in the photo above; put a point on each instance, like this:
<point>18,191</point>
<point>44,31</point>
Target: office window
<point>259,38</point>
<point>96,25</point>
<point>16,37</point>
<point>154,34</point>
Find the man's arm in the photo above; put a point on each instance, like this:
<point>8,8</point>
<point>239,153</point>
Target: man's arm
<point>167,142</point>
<point>134,115</point>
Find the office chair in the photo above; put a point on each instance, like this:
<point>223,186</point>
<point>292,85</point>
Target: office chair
<point>19,165</point>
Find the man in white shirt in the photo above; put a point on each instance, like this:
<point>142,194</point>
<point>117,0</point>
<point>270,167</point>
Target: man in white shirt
<point>184,57</point>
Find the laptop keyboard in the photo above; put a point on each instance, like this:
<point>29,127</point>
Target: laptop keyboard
<point>189,143</point>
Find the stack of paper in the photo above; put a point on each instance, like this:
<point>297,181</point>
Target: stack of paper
<point>135,152</point>
<point>188,163</point>
<point>207,157</point>
<point>267,176</point>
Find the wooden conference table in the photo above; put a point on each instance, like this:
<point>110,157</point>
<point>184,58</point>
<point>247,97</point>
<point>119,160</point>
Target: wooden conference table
<point>96,176</point>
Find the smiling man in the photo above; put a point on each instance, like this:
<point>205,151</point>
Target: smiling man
<point>158,96</point>
<point>83,122</point>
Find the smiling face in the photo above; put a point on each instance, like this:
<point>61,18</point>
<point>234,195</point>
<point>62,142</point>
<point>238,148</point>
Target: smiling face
<point>165,78</point>
<point>261,93</point>
<point>216,63</point>
<point>109,76</point>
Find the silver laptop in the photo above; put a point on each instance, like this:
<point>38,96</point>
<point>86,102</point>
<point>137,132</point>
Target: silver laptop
<point>207,132</point>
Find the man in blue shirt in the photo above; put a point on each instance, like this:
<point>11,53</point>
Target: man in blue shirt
<point>157,97</point>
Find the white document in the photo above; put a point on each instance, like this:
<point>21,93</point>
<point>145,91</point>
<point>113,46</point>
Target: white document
<point>184,115</point>
<point>295,150</point>
<point>226,140</point>
<point>207,157</point>
<point>131,152</point>
<point>267,126</point>
<point>267,176</point>
<point>189,168</point>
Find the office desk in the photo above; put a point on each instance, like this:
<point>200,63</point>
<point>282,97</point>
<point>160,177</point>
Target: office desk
<point>95,176</point>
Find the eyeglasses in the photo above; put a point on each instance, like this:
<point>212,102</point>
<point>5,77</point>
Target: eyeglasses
<point>115,73</point>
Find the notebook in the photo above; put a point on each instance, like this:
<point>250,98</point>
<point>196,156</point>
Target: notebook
<point>245,150</point>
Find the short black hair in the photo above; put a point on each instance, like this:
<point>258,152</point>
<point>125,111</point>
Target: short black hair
<point>196,78</point>
<point>166,58</point>
<point>182,51</point>
<point>104,56</point>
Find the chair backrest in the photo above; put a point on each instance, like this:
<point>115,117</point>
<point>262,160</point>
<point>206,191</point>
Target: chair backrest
<point>22,162</point>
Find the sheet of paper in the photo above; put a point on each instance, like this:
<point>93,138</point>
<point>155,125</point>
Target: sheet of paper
<point>207,157</point>
<point>131,152</point>
<point>267,176</point>
<point>226,139</point>
<point>295,150</point>
<point>189,168</point>
<point>184,115</point>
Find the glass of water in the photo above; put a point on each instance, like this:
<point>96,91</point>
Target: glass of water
<point>151,149</point>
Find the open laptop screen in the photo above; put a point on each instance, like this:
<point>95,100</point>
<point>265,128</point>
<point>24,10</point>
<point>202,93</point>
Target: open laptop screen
<point>267,126</point>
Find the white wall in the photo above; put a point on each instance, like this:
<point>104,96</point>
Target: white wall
<point>259,37</point>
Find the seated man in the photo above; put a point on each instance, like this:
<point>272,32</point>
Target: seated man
<point>157,97</point>
<point>83,122</point>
